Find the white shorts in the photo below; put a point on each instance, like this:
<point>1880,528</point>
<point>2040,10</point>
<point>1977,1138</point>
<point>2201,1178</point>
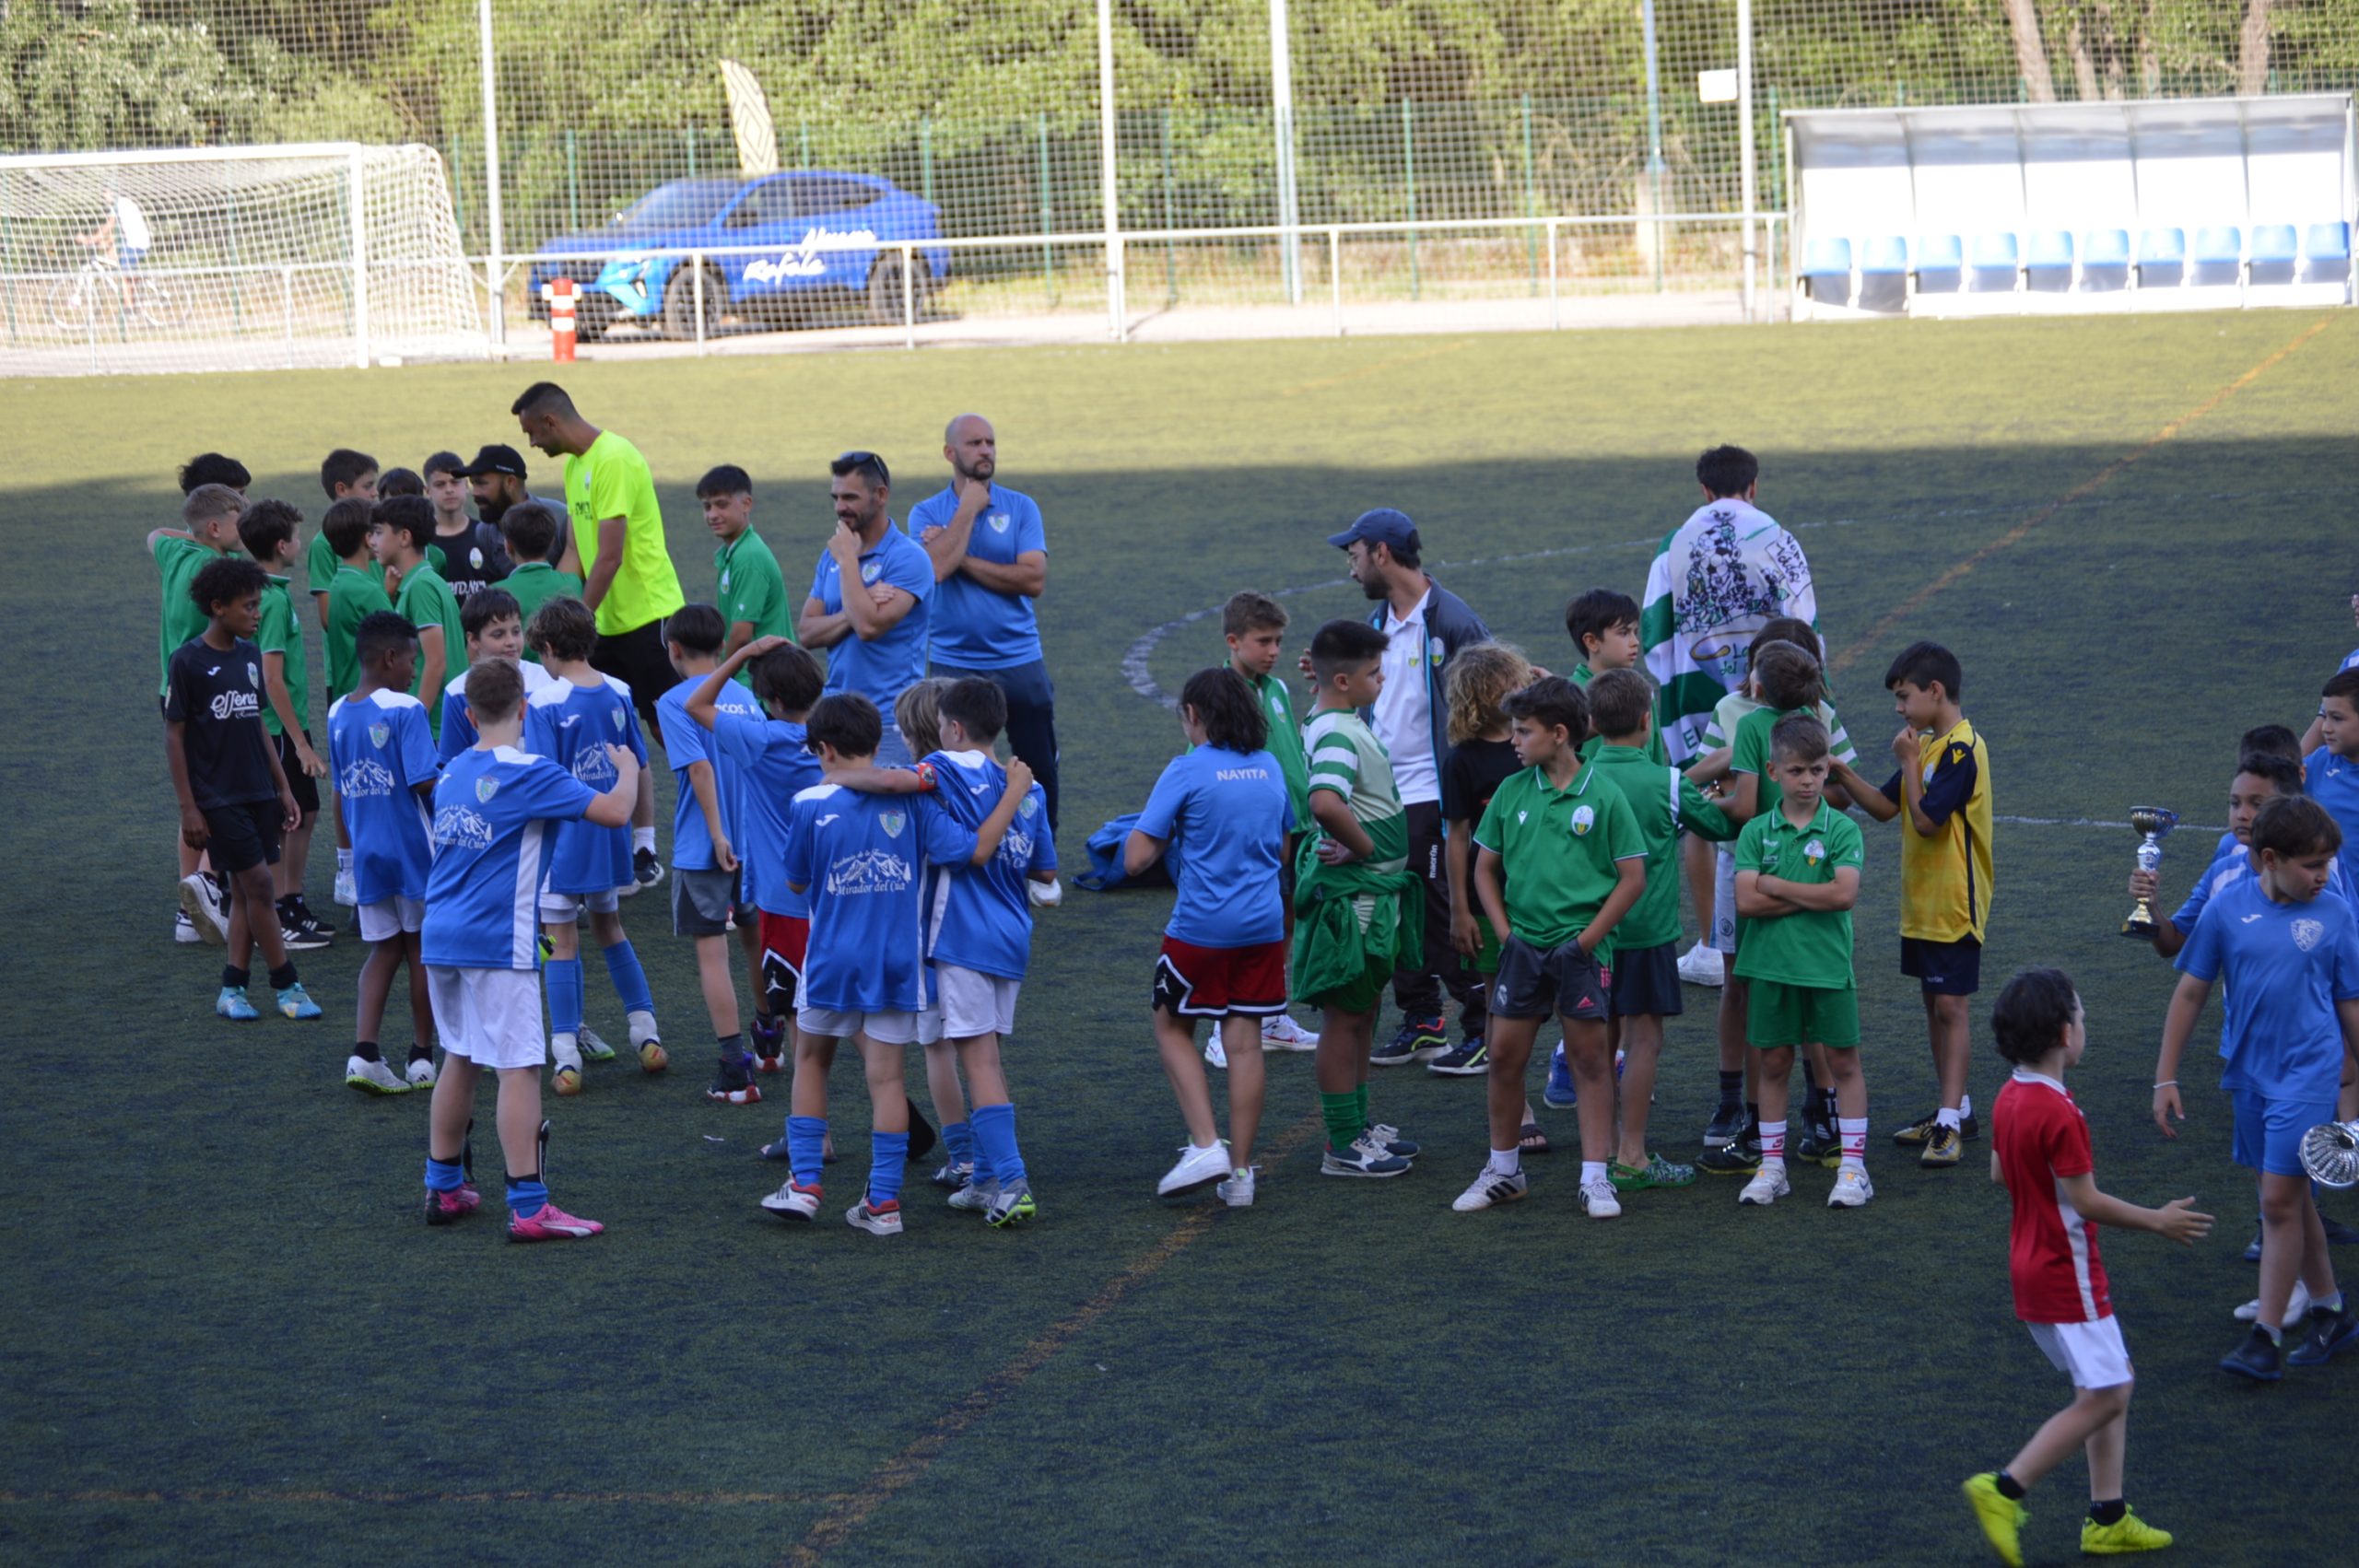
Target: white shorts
<point>2091,1355</point>
<point>492,1017</point>
<point>560,908</point>
<point>390,917</point>
<point>888,1028</point>
<point>974,1003</point>
<point>1724,937</point>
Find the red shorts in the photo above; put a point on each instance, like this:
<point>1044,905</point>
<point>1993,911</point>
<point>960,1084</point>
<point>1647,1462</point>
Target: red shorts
<point>785,939</point>
<point>1214,982</point>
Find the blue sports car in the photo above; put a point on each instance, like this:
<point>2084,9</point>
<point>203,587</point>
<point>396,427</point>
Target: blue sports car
<point>786,219</point>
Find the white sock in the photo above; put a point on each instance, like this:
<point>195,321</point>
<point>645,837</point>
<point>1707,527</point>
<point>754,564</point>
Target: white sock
<point>642,838</point>
<point>1966,1104</point>
<point>1592,1170</point>
<point>1507,1162</point>
<point>1949,1117</point>
<point>343,862</point>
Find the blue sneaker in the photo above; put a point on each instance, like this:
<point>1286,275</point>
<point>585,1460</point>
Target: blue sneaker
<point>2329,1331</point>
<point>1560,1094</point>
<point>232,1005</point>
<point>295,1003</point>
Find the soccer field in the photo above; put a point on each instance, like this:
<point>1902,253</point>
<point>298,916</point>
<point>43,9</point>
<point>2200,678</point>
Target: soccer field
<point>227,1337</point>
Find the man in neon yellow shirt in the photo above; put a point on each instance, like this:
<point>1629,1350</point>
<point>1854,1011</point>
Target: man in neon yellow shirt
<point>627,572</point>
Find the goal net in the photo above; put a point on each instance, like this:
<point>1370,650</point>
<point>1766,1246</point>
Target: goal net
<point>232,259</point>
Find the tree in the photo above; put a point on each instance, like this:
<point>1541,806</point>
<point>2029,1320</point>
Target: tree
<point>2252,48</point>
<point>2031,54</point>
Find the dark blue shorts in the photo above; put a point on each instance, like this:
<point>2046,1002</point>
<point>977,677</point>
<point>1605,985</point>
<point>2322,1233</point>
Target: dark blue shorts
<point>1646,980</point>
<point>1943,968</point>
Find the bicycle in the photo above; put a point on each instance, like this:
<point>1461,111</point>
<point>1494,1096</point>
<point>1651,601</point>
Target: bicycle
<point>77,301</point>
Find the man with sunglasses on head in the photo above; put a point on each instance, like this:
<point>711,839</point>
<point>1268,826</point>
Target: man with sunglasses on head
<point>870,597</point>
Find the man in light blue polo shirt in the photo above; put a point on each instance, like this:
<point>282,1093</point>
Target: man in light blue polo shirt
<point>869,598</point>
<point>991,556</point>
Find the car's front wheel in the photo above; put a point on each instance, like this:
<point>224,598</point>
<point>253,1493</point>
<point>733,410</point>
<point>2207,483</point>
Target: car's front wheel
<point>680,304</point>
<point>887,282</point>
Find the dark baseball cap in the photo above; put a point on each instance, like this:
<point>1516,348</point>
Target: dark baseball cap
<point>1383,526</point>
<point>494,460</point>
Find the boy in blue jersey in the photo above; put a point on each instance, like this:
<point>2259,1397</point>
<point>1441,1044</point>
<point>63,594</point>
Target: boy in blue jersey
<point>2289,960</point>
<point>2332,770</point>
<point>859,858</point>
<point>764,752</point>
<point>875,634</point>
<point>706,867</point>
<point>2260,779</point>
<point>572,720</point>
<point>493,627</point>
<point>492,838</point>
<point>383,751</point>
<point>979,930</point>
<point>1222,810</point>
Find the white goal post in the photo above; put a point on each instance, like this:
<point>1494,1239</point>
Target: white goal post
<point>232,259</point>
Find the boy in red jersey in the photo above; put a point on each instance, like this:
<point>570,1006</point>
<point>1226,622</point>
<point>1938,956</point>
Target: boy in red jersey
<point>2040,1151</point>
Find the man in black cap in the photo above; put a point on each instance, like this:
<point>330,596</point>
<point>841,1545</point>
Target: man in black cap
<point>497,480</point>
<point>1426,624</point>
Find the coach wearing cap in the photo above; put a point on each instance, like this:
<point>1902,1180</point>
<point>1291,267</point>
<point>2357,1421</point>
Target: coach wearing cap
<point>1426,625</point>
<point>628,577</point>
<point>496,480</point>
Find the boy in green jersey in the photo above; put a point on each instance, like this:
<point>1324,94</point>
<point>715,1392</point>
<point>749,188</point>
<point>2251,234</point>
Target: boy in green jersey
<point>400,530</point>
<point>1559,861</point>
<point>1359,903</point>
<point>1254,627</point>
<point>344,474</point>
<point>1603,624</point>
<point>208,530</point>
<point>1797,878</point>
<point>1645,985</point>
<point>532,531</point>
<point>355,592</point>
<point>748,586</point>
<point>267,530</point>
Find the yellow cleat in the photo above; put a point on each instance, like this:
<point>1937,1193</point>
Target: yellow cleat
<point>567,1081</point>
<point>2128,1533</point>
<point>2001,1517</point>
<point>653,1057</point>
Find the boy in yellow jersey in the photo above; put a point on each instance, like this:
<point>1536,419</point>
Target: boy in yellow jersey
<point>1943,790</point>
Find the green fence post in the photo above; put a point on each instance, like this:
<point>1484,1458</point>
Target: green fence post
<point>1409,167</point>
<point>572,183</point>
<point>1047,247</point>
<point>806,143</point>
<point>689,136</point>
<point>1170,217</point>
<point>1530,203</point>
<point>925,156</point>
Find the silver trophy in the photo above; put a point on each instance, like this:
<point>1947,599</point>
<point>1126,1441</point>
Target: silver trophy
<point>2154,822</point>
<point>2330,1154</point>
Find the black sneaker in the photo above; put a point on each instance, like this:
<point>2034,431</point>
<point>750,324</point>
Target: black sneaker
<point>297,940</point>
<point>1820,1144</point>
<point>1726,1123</point>
<point>311,922</point>
<point>2328,1330</point>
<point>645,869</point>
<point>1736,1157</point>
<point>2258,1357</point>
<point>1468,1059</point>
<point>1419,1039</point>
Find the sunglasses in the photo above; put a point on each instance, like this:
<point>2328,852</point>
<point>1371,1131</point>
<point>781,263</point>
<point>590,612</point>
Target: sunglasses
<point>865,463</point>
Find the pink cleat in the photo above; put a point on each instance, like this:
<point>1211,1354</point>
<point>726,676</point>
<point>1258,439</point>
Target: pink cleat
<point>552,1224</point>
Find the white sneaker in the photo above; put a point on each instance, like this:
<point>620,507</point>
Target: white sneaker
<point>373,1077</point>
<point>1281,1032</point>
<point>1767,1185</point>
<point>201,901</point>
<point>2297,1307</point>
<point>1045,894</point>
<point>975,1197</point>
<point>184,929</point>
<point>875,1222</point>
<point>1598,1198</point>
<point>1700,966</point>
<point>593,1048</point>
<point>420,1072</point>
<point>1196,1167</point>
<point>794,1202</point>
<point>1490,1188</point>
<point>1852,1188</point>
<point>1216,1053</point>
<point>347,890</point>
<point>1237,1190</point>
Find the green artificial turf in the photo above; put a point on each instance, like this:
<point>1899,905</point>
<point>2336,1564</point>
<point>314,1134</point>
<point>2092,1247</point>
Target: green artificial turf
<point>225,1335</point>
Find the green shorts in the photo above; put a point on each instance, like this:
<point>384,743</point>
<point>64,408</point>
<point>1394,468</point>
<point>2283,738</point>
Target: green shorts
<point>1777,1014</point>
<point>1486,957</point>
<point>1365,994</point>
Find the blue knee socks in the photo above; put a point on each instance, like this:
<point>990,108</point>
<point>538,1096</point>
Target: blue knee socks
<point>631,980</point>
<point>959,1139</point>
<point>888,1152</point>
<point>996,1155</point>
<point>807,1145</point>
<point>563,979</point>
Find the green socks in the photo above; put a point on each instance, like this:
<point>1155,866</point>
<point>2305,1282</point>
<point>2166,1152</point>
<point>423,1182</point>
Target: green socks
<point>1346,1119</point>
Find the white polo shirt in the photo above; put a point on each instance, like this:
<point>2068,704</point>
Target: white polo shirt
<point>1403,718</point>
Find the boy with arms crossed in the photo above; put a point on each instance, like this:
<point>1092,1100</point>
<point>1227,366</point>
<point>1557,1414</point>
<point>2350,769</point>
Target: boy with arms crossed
<point>385,774</point>
<point>493,812</point>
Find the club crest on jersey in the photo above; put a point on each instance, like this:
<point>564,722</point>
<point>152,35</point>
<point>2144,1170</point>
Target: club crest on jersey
<point>2306,934</point>
<point>615,715</point>
<point>870,571</point>
<point>1435,652</point>
<point>379,734</point>
<point>486,787</point>
<point>1584,818</point>
<point>892,823</point>
<point>999,522</point>
<point>1815,851</point>
<point>724,577</point>
<point>253,674</point>
<point>1031,806</point>
<point>475,556</point>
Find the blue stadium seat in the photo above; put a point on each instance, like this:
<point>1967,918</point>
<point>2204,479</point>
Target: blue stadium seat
<point>2218,245</point>
<point>1827,258</point>
<point>2273,242</point>
<point>2162,248</point>
<point>2105,248</point>
<point>1939,252</point>
<point>2327,242</point>
<point>2049,249</point>
<point>1996,252</point>
<point>1886,255</point>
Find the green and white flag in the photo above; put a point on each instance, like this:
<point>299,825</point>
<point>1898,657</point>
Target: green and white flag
<point>1718,578</point>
